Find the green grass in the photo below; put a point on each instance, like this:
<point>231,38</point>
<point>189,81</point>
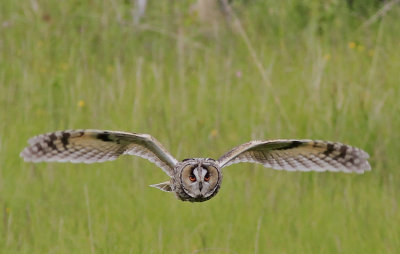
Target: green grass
<point>177,78</point>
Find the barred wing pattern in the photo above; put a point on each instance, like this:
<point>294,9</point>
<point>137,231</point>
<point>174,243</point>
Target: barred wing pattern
<point>299,155</point>
<point>90,146</point>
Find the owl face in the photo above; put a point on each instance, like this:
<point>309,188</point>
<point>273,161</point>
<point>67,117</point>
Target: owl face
<point>199,179</point>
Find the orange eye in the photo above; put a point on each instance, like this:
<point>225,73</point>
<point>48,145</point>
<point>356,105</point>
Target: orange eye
<point>207,177</point>
<point>192,178</point>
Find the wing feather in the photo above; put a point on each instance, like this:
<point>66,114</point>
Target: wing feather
<point>89,146</point>
<point>299,155</point>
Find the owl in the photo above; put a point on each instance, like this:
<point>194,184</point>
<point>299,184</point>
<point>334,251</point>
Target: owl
<point>194,179</point>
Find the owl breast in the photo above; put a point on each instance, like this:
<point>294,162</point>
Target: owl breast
<point>196,180</point>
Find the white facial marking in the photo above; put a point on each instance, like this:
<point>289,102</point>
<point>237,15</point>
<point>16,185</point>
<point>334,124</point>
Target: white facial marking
<point>196,174</point>
<point>203,173</point>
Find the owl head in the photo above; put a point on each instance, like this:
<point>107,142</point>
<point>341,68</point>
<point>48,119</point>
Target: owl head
<point>197,179</point>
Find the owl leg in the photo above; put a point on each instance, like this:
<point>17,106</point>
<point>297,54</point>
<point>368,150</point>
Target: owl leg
<point>165,186</point>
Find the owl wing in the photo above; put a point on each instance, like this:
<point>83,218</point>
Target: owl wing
<point>299,155</point>
<point>90,146</point>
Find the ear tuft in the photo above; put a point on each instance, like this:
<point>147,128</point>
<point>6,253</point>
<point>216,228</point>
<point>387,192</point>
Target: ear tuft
<point>165,186</point>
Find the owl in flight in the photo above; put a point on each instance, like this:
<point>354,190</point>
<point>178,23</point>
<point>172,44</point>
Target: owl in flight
<point>194,179</point>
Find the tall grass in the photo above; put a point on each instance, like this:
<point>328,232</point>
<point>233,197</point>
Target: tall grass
<point>195,85</point>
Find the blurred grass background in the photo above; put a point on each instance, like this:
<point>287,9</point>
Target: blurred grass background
<point>201,78</point>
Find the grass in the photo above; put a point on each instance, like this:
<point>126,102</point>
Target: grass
<point>195,85</point>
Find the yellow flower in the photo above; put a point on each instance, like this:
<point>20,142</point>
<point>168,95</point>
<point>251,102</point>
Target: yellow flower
<point>327,56</point>
<point>371,52</point>
<point>352,45</point>
<point>360,48</point>
<point>110,69</point>
<point>8,210</point>
<point>39,112</point>
<point>42,70</point>
<point>64,66</point>
<point>214,133</point>
<point>81,103</point>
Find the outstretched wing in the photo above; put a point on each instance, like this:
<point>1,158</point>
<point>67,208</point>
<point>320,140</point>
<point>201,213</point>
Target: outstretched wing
<point>90,146</point>
<point>299,155</point>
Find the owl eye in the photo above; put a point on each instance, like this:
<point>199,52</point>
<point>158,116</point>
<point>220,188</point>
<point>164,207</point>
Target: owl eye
<point>192,178</point>
<point>207,177</point>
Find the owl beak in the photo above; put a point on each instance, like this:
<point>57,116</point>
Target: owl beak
<point>200,186</point>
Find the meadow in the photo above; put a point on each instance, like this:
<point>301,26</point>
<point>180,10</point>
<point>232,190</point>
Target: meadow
<point>201,82</point>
